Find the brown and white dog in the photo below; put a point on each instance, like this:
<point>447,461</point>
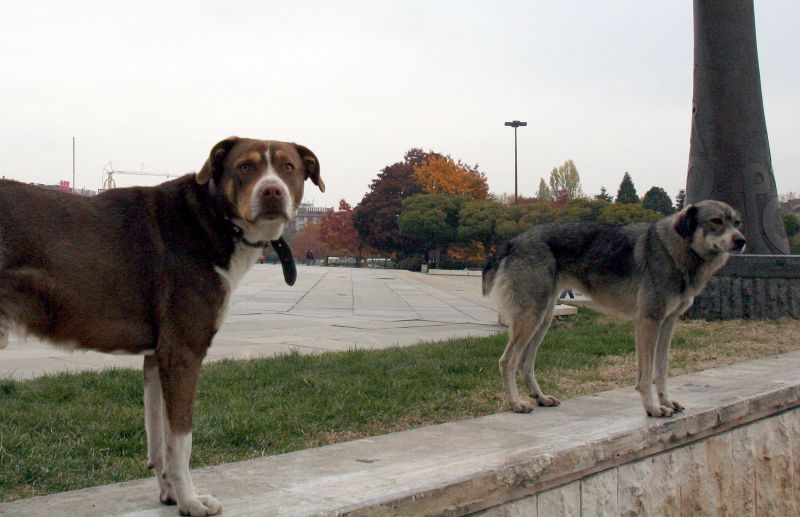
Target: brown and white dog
<point>149,270</point>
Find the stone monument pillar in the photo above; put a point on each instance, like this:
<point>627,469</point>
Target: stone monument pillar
<point>729,158</point>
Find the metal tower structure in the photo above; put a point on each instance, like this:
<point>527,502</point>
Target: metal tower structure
<point>109,170</point>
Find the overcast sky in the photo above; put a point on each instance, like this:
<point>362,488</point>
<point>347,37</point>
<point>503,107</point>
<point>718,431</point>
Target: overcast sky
<point>607,84</point>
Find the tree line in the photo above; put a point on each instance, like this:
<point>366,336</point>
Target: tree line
<point>429,207</point>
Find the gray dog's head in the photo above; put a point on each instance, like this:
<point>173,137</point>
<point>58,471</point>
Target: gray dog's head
<point>710,228</point>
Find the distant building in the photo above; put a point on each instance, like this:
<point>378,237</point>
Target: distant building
<point>85,192</point>
<point>306,214</point>
<point>791,206</point>
<point>64,186</point>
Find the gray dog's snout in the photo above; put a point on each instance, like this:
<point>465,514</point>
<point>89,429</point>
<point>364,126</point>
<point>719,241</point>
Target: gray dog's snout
<point>739,242</point>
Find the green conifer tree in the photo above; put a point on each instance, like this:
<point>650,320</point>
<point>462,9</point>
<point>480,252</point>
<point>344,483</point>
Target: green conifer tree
<point>627,192</point>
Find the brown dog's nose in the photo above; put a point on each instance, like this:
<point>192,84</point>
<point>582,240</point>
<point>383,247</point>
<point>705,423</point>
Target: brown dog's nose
<point>739,242</point>
<point>272,192</point>
<point>273,202</point>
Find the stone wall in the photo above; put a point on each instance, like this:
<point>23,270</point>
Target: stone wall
<point>750,470</point>
<point>753,287</point>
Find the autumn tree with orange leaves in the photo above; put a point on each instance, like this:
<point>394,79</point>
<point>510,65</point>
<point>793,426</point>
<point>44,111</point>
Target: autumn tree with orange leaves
<point>339,234</point>
<point>441,175</point>
<point>306,239</point>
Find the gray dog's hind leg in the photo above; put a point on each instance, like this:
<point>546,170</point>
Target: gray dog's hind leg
<point>521,330</point>
<point>529,360</point>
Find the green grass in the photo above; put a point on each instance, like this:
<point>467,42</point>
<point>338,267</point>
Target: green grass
<point>71,431</point>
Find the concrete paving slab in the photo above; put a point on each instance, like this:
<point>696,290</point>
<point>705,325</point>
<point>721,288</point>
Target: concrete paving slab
<point>327,309</point>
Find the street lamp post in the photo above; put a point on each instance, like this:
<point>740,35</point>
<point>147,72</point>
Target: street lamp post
<point>515,124</point>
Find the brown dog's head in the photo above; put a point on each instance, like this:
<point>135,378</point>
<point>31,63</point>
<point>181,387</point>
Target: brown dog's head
<point>710,228</point>
<point>261,180</point>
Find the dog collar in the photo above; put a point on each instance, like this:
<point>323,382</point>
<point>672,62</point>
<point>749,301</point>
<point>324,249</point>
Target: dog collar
<point>281,249</point>
<point>238,236</point>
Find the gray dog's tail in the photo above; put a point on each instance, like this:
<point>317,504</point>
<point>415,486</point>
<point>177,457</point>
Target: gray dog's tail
<point>490,268</point>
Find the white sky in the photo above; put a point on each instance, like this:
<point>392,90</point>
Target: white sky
<point>607,84</point>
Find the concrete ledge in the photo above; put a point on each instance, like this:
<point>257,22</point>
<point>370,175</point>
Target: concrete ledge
<point>463,467</point>
<point>562,309</point>
<point>455,272</point>
<point>559,310</point>
<point>576,302</point>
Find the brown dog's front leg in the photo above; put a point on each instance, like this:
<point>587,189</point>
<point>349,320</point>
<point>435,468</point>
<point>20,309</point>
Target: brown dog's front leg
<point>154,425</point>
<point>179,373</point>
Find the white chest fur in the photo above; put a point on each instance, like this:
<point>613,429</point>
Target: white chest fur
<point>241,261</point>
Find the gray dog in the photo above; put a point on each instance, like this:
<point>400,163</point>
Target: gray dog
<point>646,272</point>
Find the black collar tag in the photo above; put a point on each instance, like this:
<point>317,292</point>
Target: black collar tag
<point>287,260</point>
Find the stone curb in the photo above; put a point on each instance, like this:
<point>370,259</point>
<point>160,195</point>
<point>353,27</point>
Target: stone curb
<point>462,467</point>
<point>455,272</point>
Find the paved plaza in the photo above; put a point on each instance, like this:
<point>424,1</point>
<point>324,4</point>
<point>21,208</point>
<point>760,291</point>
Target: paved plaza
<point>327,309</point>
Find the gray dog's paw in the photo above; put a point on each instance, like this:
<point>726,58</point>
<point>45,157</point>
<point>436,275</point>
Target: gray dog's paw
<point>521,407</point>
<point>546,400</point>
<point>676,406</point>
<point>659,411</point>
<point>200,506</point>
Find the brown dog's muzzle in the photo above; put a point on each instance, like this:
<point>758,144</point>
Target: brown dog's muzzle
<point>272,202</point>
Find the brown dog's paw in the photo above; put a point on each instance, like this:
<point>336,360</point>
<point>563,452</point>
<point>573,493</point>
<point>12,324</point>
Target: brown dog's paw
<point>165,491</point>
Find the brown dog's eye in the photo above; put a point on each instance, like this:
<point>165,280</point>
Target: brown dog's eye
<point>737,224</point>
<point>246,167</point>
<point>288,167</point>
<point>718,221</point>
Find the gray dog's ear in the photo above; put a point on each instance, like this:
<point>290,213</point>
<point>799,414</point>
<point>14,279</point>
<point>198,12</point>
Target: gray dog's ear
<point>213,165</point>
<point>311,165</point>
<point>686,222</point>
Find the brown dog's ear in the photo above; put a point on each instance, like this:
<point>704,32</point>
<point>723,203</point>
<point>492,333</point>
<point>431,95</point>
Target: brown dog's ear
<point>311,165</point>
<point>214,163</point>
<point>686,222</point>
